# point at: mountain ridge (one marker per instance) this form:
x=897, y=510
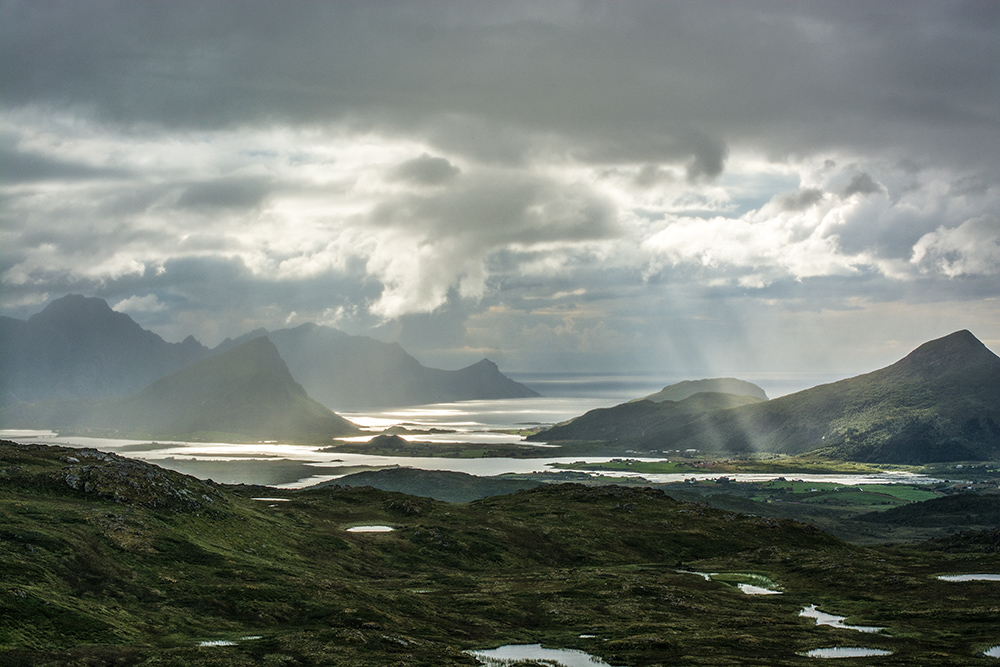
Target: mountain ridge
x=941, y=402
x=80, y=348
x=244, y=393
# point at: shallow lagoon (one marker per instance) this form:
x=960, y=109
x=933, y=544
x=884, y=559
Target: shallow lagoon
x=506, y=655
x=847, y=652
x=305, y=465
x=969, y=577
x=822, y=618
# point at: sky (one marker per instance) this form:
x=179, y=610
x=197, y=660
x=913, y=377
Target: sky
x=681, y=188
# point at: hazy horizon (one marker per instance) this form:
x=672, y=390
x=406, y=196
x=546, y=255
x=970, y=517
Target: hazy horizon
x=699, y=189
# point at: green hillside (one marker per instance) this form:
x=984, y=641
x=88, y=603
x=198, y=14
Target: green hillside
x=940, y=403
x=109, y=561
x=246, y=393
x=452, y=487
x=636, y=420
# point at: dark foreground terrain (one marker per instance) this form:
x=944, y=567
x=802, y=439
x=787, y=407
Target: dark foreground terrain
x=108, y=561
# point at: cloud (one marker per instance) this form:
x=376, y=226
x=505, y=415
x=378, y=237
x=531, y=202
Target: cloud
x=799, y=200
x=140, y=304
x=379, y=164
x=427, y=170
x=228, y=192
x=862, y=184
x=972, y=248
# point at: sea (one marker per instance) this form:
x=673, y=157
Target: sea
x=482, y=421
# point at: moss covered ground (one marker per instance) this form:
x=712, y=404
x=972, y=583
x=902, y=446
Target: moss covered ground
x=108, y=561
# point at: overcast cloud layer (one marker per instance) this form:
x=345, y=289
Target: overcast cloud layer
x=687, y=188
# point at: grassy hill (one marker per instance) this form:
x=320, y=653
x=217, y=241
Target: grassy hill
x=939, y=403
x=636, y=420
x=452, y=487
x=109, y=561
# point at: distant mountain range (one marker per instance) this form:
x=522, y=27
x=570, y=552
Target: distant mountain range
x=347, y=372
x=79, y=347
x=940, y=403
x=243, y=393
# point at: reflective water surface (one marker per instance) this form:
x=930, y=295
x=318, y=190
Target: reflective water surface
x=847, y=652
x=370, y=529
x=822, y=618
x=512, y=653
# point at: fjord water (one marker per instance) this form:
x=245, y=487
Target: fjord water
x=481, y=421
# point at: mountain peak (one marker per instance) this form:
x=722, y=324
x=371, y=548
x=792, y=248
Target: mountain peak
x=73, y=306
x=954, y=352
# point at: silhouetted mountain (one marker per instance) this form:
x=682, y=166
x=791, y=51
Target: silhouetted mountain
x=246, y=393
x=940, y=403
x=681, y=390
x=347, y=372
x=638, y=419
x=80, y=347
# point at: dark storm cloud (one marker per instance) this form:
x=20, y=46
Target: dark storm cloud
x=629, y=79
x=427, y=170
x=225, y=193
x=800, y=200
x=587, y=178
x=862, y=184
x=25, y=167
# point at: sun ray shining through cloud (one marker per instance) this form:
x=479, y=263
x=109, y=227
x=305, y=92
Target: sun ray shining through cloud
x=675, y=186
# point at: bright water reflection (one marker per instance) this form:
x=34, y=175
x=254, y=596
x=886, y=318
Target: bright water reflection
x=216, y=460
x=822, y=618
x=370, y=529
x=969, y=577
x=750, y=589
x=993, y=652
x=512, y=653
x=847, y=652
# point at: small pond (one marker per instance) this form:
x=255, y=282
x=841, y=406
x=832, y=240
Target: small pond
x=370, y=529
x=822, y=618
x=992, y=652
x=512, y=653
x=969, y=577
x=751, y=584
x=847, y=652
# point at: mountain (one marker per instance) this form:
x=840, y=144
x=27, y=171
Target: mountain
x=245, y=393
x=347, y=372
x=639, y=419
x=681, y=390
x=79, y=346
x=939, y=403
